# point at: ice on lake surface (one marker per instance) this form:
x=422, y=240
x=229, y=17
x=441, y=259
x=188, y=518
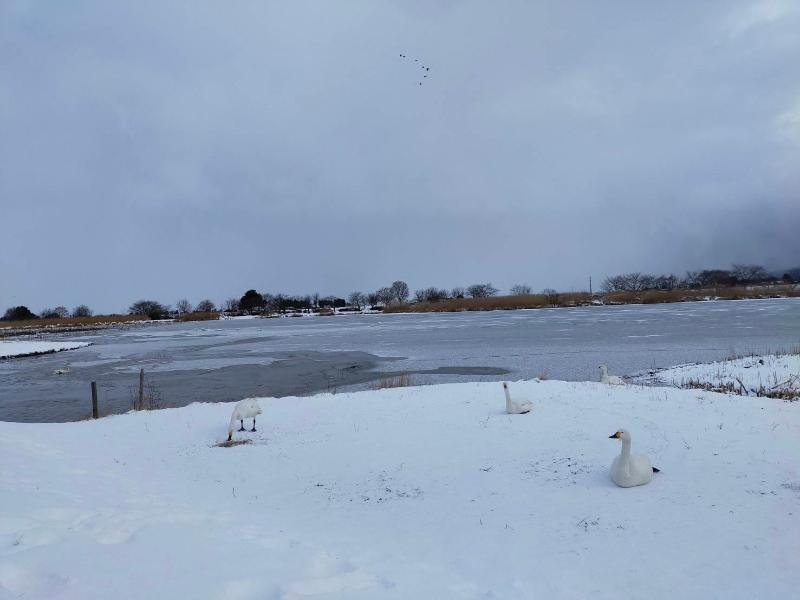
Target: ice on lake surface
x=230, y=359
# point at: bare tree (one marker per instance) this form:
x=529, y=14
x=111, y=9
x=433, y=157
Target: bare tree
x=482, y=290
x=205, y=306
x=419, y=296
x=231, y=305
x=692, y=279
x=81, y=311
x=385, y=296
x=315, y=299
x=372, y=298
x=628, y=282
x=280, y=303
x=400, y=291
x=551, y=296
x=613, y=283
x=434, y=294
x=520, y=289
x=357, y=299
x=665, y=282
x=183, y=306
x=458, y=292
x=749, y=273
x=715, y=277
x=59, y=312
x=269, y=302
x=149, y=308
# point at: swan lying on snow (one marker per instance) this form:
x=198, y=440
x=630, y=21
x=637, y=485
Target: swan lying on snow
x=609, y=379
x=629, y=470
x=516, y=408
x=244, y=409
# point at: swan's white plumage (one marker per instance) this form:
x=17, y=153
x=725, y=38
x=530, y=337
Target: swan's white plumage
x=609, y=379
x=519, y=407
x=629, y=470
x=244, y=409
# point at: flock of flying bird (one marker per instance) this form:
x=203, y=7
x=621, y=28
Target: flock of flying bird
x=426, y=70
x=627, y=470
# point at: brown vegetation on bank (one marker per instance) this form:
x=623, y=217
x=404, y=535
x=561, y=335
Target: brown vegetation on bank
x=66, y=324
x=684, y=295
x=198, y=316
x=583, y=298
x=494, y=303
x=69, y=321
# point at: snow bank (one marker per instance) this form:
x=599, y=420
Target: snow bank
x=18, y=348
x=429, y=492
x=778, y=375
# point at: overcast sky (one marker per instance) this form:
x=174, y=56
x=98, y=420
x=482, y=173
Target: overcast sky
x=198, y=149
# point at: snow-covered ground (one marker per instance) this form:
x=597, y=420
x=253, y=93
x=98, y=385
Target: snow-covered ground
x=17, y=348
x=430, y=492
x=777, y=375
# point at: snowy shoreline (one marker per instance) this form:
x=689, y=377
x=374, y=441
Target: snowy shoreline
x=770, y=375
x=21, y=348
x=410, y=492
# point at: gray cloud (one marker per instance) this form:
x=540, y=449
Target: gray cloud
x=199, y=149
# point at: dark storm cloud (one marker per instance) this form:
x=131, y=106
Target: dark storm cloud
x=198, y=149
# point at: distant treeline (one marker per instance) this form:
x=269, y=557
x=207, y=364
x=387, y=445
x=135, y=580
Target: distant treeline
x=739, y=274
x=398, y=295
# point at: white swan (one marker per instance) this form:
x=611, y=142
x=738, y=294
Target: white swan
x=516, y=408
x=609, y=379
x=244, y=409
x=629, y=470
x=63, y=371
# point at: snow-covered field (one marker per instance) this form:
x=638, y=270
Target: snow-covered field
x=777, y=375
x=429, y=492
x=17, y=348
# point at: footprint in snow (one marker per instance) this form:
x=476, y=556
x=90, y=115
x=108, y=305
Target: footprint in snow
x=22, y=582
x=329, y=575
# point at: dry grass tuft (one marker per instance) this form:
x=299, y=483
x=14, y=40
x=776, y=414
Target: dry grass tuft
x=395, y=381
x=198, y=316
x=232, y=443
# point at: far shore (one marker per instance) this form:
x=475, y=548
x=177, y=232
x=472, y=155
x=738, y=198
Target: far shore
x=573, y=299
x=10, y=329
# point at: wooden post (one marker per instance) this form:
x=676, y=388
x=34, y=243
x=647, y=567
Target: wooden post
x=94, y=399
x=141, y=390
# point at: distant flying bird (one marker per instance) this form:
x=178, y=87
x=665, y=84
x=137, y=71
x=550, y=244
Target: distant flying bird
x=422, y=66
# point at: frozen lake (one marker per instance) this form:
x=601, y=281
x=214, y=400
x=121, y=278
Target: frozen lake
x=230, y=359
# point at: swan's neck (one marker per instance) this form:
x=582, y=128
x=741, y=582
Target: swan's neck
x=508, y=397
x=626, y=450
x=232, y=424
